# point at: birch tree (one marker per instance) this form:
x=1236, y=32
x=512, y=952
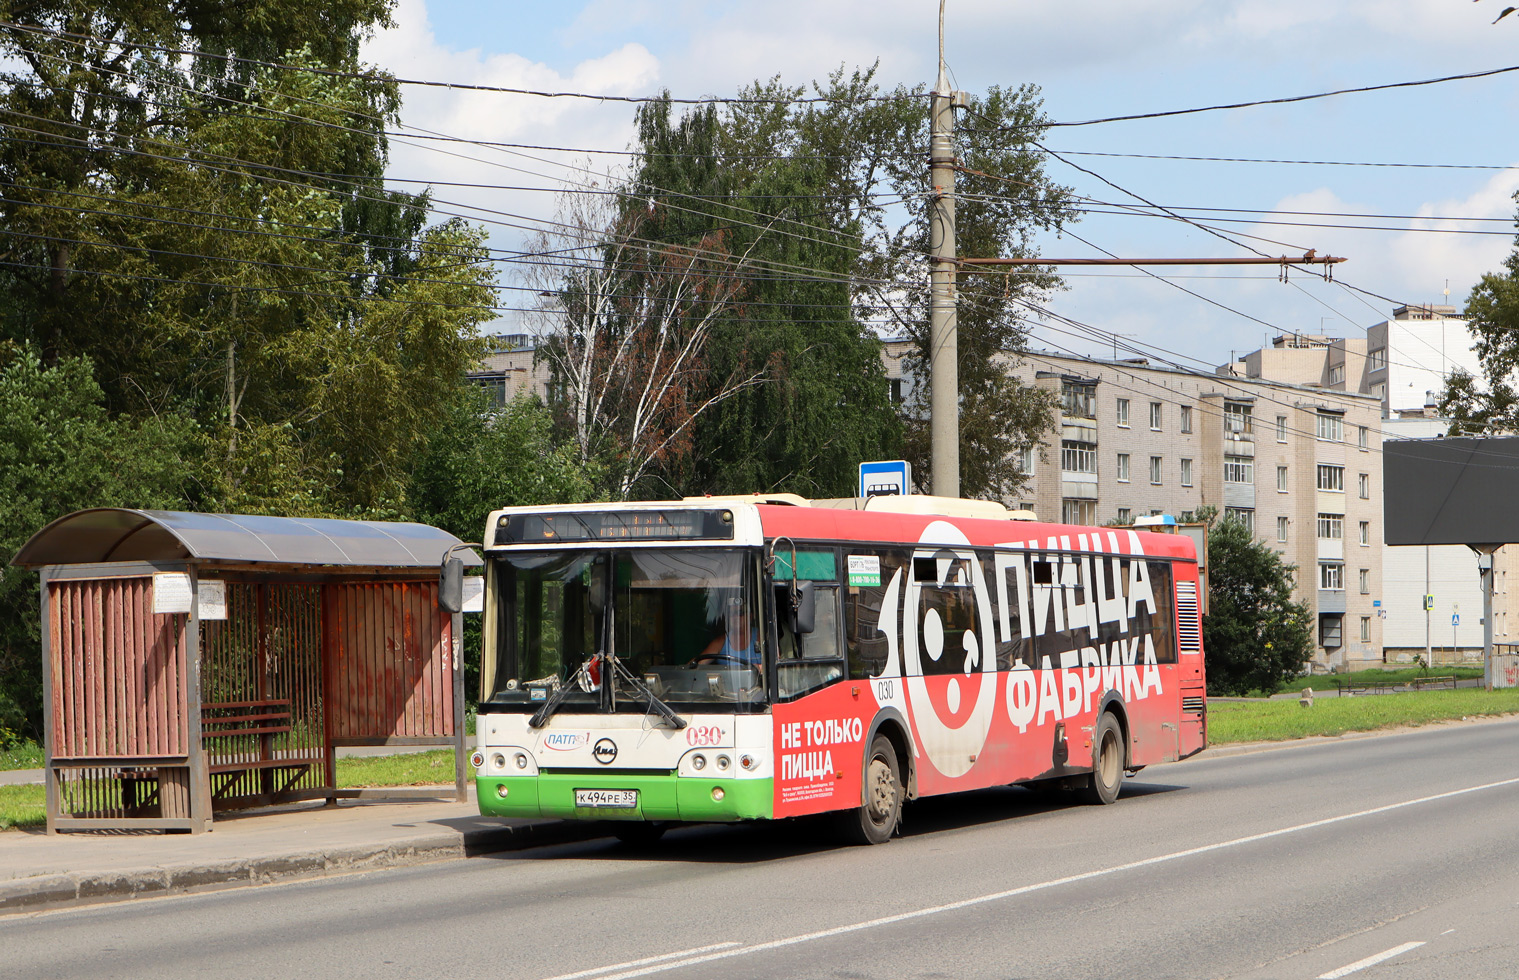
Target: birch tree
x=626, y=336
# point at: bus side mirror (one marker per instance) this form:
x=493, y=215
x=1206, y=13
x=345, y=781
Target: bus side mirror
x=804, y=609
x=451, y=586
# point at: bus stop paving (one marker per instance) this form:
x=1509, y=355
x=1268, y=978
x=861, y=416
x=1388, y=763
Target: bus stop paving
x=40, y=872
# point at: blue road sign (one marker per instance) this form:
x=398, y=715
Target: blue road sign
x=885, y=477
x=1455, y=619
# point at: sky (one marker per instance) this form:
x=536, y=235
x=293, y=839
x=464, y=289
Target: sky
x=1402, y=164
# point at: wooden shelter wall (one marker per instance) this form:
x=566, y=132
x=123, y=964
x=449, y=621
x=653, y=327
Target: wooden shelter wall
x=390, y=662
x=117, y=670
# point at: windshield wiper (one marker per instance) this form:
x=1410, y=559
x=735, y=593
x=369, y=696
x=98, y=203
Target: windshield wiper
x=543, y=714
x=639, y=687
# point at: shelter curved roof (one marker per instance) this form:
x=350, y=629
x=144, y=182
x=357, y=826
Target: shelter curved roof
x=107, y=534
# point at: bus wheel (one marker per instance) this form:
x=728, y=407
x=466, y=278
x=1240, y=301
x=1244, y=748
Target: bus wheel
x=639, y=834
x=876, y=821
x=1107, y=762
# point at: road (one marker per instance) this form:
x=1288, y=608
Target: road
x=1390, y=857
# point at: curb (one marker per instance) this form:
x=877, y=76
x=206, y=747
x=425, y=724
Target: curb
x=72, y=889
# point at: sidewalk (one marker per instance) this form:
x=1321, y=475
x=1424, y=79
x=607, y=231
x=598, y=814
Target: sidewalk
x=40, y=872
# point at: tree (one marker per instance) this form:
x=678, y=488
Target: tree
x=61, y=451
x=1003, y=197
x=1492, y=316
x=782, y=183
x=1255, y=636
x=627, y=338
x=217, y=231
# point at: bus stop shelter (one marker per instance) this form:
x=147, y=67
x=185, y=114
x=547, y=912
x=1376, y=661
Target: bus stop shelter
x=196, y=663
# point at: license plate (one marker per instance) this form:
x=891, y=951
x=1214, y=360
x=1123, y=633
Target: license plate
x=625, y=799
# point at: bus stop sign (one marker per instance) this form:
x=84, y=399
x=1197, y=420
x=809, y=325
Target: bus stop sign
x=885, y=478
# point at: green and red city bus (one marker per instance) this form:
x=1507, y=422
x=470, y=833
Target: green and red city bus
x=746, y=658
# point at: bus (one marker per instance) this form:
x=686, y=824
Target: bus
x=722, y=659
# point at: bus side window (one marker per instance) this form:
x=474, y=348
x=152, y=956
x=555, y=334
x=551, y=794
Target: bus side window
x=864, y=641
x=1013, y=648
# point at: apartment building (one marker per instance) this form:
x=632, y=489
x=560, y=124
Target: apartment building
x=509, y=369
x=1403, y=362
x=1299, y=464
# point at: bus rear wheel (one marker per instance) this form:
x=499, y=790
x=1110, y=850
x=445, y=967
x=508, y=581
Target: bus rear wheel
x=1107, y=762
x=876, y=820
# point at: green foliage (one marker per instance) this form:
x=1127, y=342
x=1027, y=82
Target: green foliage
x=1255, y=635
x=1269, y=721
x=1492, y=312
x=60, y=451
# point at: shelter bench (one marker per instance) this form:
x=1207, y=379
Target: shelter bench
x=262, y=719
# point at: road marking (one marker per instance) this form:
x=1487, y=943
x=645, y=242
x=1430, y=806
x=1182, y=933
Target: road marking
x=597, y=971
x=1346, y=971
x=1024, y=890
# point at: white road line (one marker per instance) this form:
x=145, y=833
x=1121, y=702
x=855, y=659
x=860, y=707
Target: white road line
x=644, y=962
x=1026, y=889
x=1346, y=971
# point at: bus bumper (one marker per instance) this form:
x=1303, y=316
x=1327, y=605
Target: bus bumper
x=659, y=797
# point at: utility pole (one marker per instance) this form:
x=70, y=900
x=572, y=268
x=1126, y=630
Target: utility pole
x=943, y=340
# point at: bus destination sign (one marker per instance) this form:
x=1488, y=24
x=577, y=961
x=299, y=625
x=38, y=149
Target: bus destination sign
x=627, y=525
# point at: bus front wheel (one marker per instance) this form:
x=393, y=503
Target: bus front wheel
x=876, y=820
x=1107, y=762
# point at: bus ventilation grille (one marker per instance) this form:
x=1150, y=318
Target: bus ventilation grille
x=1188, y=629
x=1193, y=705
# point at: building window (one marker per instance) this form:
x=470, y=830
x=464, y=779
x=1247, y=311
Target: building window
x=1337, y=374
x=1155, y=470
x=1377, y=359
x=1332, y=526
x=1237, y=418
x=1364, y=580
x=1186, y=418
x=1281, y=479
x=1281, y=428
x=1078, y=511
x=1363, y=484
x=1078, y=401
x=1123, y=467
x=1365, y=629
x=1281, y=529
x=1123, y=412
x=1331, y=577
x=895, y=386
x=1241, y=515
x=1365, y=534
x=1329, y=631
x=1026, y=459
x=1239, y=469
x=1363, y=437
x=1155, y=416
x=1125, y=515
x=1186, y=472
x=1331, y=478
x=1078, y=457
x=1329, y=428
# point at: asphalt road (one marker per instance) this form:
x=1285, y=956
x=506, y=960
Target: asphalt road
x=1305, y=862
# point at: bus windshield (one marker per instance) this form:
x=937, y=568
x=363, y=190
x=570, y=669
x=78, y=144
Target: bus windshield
x=683, y=621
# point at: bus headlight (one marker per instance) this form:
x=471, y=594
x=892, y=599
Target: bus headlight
x=698, y=761
x=718, y=794
x=521, y=760
x=498, y=761
x=723, y=763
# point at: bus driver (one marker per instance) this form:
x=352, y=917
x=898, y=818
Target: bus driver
x=737, y=644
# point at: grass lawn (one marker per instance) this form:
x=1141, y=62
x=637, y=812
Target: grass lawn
x=1266, y=721
x=27, y=755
